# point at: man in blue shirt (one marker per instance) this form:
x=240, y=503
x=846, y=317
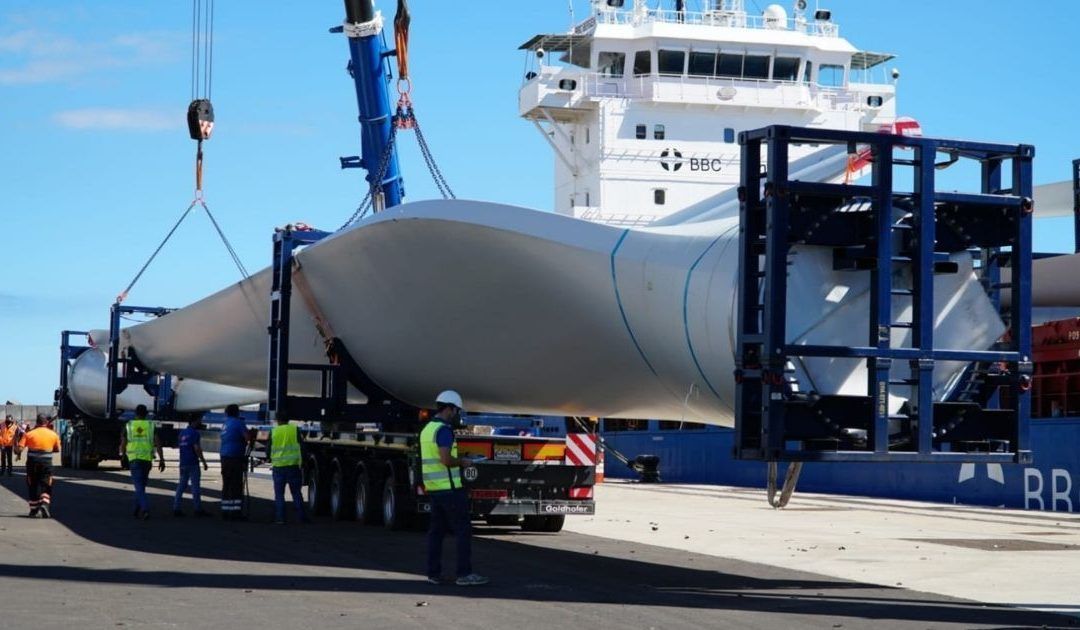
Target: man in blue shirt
x=191, y=454
x=234, y=461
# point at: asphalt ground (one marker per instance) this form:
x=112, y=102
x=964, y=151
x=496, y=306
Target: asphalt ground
x=94, y=566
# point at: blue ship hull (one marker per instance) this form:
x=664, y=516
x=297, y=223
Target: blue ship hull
x=1051, y=483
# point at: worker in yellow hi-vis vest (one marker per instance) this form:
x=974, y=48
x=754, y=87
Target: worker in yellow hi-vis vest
x=285, y=459
x=440, y=467
x=138, y=441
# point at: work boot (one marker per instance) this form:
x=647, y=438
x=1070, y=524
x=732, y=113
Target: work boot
x=33, y=513
x=45, y=512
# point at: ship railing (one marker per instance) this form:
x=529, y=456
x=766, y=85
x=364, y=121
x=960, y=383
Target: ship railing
x=736, y=91
x=700, y=89
x=727, y=19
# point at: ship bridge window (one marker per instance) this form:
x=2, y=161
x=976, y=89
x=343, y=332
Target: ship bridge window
x=809, y=71
x=702, y=64
x=642, y=63
x=755, y=67
x=830, y=76
x=785, y=69
x=658, y=132
x=672, y=62
x=611, y=64
x=729, y=65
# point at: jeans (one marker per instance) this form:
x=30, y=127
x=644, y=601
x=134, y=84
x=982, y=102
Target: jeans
x=5, y=459
x=193, y=474
x=449, y=512
x=287, y=476
x=140, y=474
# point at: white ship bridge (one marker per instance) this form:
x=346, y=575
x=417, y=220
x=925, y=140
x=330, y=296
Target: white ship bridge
x=643, y=101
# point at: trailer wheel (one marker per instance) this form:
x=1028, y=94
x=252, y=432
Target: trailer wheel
x=367, y=499
x=74, y=456
x=65, y=452
x=317, y=500
x=543, y=523
x=341, y=508
x=393, y=505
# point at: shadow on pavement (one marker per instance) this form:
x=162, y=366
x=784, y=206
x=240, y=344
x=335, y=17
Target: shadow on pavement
x=565, y=567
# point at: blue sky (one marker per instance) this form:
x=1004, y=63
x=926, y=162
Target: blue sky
x=96, y=165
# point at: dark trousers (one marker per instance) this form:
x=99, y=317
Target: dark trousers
x=38, y=483
x=288, y=476
x=232, y=485
x=449, y=512
x=140, y=476
x=5, y=459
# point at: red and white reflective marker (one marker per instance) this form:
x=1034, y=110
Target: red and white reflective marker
x=580, y=449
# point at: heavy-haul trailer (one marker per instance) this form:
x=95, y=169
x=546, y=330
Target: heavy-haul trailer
x=363, y=460
x=374, y=477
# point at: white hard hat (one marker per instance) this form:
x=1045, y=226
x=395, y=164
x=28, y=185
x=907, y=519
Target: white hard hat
x=450, y=397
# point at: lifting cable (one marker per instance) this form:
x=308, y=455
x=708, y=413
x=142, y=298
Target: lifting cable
x=404, y=118
x=200, y=119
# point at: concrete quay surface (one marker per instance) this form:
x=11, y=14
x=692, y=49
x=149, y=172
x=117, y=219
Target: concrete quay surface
x=94, y=566
x=1015, y=558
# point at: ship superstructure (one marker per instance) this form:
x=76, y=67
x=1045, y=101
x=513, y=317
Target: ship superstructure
x=643, y=104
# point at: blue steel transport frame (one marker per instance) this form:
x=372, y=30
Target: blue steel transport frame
x=887, y=230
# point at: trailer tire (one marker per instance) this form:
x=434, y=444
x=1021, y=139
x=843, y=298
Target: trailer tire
x=318, y=501
x=550, y=524
x=394, y=513
x=367, y=501
x=75, y=454
x=65, y=452
x=341, y=508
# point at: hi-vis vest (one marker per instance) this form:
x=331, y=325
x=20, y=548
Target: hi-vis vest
x=140, y=440
x=285, y=446
x=7, y=434
x=436, y=476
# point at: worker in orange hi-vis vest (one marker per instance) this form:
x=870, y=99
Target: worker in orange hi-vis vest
x=9, y=438
x=40, y=444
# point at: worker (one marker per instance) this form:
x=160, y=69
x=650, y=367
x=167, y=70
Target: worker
x=450, y=509
x=191, y=455
x=285, y=441
x=9, y=436
x=138, y=442
x=234, y=443
x=40, y=444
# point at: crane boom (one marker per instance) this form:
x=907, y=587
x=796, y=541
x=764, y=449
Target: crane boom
x=367, y=66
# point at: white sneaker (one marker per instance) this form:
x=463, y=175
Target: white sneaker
x=472, y=579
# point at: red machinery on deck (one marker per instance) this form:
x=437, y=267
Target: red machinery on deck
x=1055, y=347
